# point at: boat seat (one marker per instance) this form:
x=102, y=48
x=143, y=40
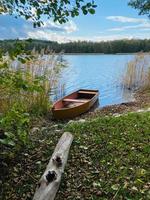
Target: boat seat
x=86, y=92
x=76, y=100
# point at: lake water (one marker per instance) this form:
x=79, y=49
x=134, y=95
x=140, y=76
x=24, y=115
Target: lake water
x=102, y=72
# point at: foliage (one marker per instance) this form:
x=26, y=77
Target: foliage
x=118, y=46
x=14, y=129
x=28, y=83
x=137, y=75
x=17, y=50
x=25, y=86
x=59, y=11
x=142, y=5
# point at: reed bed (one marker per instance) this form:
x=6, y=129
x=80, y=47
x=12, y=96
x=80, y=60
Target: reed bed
x=137, y=75
x=29, y=84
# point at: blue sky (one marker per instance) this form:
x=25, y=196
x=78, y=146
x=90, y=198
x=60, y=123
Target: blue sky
x=114, y=19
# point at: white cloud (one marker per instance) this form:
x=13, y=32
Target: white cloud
x=113, y=37
x=121, y=37
x=124, y=19
x=144, y=26
x=43, y=35
x=51, y=31
x=63, y=38
x=61, y=33
x=68, y=27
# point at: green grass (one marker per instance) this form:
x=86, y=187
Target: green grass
x=109, y=159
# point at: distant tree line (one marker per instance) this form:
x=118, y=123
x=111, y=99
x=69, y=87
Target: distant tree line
x=109, y=47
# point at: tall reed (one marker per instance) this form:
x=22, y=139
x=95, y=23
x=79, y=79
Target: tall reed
x=29, y=84
x=137, y=75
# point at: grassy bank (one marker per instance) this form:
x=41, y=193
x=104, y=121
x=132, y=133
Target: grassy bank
x=109, y=155
x=108, y=160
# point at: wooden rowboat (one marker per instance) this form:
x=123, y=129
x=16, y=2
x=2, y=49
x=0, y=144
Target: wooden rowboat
x=74, y=104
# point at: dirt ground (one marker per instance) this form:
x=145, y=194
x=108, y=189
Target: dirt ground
x=142, y=100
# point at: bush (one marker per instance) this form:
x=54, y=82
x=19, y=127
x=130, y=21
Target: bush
x=28, y=83
x=25, y=86
x=14, y=129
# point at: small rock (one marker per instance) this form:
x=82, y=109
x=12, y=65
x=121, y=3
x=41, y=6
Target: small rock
x=116, y=115
x=84, y=147
x=41, y=141
x=82, y=120
x=134, y=188
x=71, y=121
x=38, y=162
x=43, y=129
x=148, y=109
x=99, y=193
x=35, y=129
x=54, y=126
x=57, y=130
x=140, y=110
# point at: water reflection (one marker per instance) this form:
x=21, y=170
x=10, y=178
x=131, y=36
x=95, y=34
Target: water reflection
x=102, y=72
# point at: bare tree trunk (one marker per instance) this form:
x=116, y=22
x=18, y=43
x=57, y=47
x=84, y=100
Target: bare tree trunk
x=50, y=181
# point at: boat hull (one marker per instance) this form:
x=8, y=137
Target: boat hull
x=69, y=113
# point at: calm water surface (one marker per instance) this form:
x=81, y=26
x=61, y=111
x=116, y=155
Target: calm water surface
x=102, y=72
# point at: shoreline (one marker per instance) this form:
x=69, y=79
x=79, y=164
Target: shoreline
x=45, y=133
x=141, y=100
x=135, y=53
x=101, y=53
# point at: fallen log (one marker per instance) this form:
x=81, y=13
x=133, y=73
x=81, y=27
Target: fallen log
x=50, y=180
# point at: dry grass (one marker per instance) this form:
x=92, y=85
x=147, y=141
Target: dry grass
x=137, y=75
x=30, y=83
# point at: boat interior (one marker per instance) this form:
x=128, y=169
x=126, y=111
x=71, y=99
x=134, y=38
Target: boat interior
x=75, y=99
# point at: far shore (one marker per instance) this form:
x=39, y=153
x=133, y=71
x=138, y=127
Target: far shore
x=103, y=53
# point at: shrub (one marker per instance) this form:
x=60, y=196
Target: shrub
x=28, y=83
x=14, y=129
x=25, y=86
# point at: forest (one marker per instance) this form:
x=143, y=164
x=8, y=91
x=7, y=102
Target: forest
x=107, y=47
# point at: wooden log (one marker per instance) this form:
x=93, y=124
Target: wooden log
x=50, y=180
